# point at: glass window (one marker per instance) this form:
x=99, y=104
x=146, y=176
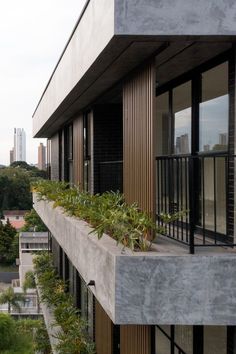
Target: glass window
x=215, y=340
x=70, y=142
x=163, y=343
x=163, y=125
x=184, y=338
x=84, y=300
x=182, y=113
x=71, y=280
x=214, y=109
x=90, y=315
x=87, y=152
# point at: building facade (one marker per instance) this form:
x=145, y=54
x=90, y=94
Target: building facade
x=19, y=144
x=15, y=217
x=41, y=157
x=11, y=156
x=148, y=107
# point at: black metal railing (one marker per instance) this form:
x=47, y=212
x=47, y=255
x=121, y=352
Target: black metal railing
x=203, y=187
x=111, y=176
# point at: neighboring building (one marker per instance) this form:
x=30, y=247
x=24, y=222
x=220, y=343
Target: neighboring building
x=29, y=243
x=132, y=76
x=19, y=144
x=15, y=217
x=11, y=156
x=41, y=157
x=182, y=144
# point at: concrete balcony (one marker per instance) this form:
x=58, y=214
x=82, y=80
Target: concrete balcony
x=129, y=33
x=164, y=286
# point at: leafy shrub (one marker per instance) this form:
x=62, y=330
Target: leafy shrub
x=107, y=213
x=7, y=331
x=72, y=336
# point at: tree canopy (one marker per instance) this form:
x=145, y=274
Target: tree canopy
x=15, y=186
x=33, y=222
x=9, y=244
x=33, y=170
x=7, y=329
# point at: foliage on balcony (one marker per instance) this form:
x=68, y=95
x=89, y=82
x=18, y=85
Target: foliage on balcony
x=73, y=337
x=106, y=213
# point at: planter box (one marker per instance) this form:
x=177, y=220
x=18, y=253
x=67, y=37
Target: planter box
x=50, y=324
x=147, y=288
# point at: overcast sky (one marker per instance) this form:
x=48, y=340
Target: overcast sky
x=32, y=36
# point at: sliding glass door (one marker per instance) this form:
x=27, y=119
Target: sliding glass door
x=193, y=130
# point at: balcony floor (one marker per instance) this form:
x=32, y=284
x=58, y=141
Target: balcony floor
x=167, y=245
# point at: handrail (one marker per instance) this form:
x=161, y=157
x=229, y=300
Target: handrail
x=199, y=155
x=183, y=183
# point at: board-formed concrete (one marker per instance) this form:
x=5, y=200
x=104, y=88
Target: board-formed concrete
x=147, y=288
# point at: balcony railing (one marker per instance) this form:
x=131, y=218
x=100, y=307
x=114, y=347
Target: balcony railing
x=203, y=186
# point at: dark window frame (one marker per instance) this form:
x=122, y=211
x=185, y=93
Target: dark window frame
x=194, y=76
x=198, y=339
x=68, y=152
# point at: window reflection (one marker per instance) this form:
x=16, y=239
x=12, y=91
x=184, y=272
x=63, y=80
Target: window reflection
x=182, y=118
x=214, y=109
x=163, y=125
x=215, y=339
x=163, y=344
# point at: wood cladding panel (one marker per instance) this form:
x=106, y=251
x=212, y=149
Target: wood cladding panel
x=103, y=331
x=138, y=132
x=135, y=339
x=55, y=174
x=78, y=154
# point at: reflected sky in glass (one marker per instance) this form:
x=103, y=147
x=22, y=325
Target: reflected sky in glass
x=183, y=131
x=213, y=124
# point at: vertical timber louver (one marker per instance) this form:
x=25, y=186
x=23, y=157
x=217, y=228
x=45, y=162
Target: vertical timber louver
x=138, y=123
x=103, y=331
x=135, y=339
x=78, y=150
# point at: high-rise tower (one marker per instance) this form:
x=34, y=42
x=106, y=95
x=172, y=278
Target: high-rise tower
x=42, y=157
x=19, y=144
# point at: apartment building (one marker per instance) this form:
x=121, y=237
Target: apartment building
x=15, y=217
x=19, y=151
x=142, y=100
x=41, y=157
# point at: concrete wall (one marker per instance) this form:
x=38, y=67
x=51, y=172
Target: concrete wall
x=49, y=320
x=157, y=287
x=175, y=17
x=94, y=31
x=84, y=252
x=26, y=265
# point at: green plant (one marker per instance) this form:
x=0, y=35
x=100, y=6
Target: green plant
x=7, y=331
x=29, y=282
x=107, y=213
x=72, y=336
x=12, y=299
x=41, y=340
x=33, y=222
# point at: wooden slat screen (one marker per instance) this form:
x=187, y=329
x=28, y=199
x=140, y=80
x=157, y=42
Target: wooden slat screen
x=135, y=339
x=138, y=117
x=103, y=331
x=78, y=155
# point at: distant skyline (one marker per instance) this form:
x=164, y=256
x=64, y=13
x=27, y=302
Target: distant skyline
x=32, y=37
